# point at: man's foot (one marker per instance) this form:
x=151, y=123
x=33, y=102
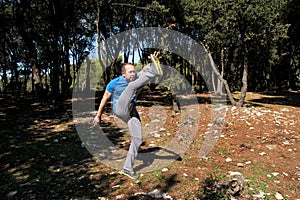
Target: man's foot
x=156, y=64
x=130, y=174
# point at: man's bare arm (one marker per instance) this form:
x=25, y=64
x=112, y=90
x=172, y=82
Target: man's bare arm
x=105, y=98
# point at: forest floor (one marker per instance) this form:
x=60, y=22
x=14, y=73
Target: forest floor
x=42, y=156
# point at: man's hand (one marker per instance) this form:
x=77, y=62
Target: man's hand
x=96, y=120
x=103, y=102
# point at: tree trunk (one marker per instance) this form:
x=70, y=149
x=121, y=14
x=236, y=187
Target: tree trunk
x=4, y=74
x=213, y=81
x=4, y=80
x=220, y=85
x=132, y=61
x=193, y=81
x=214, y=68
x=36, y=76
x=24, y=88
x=245, y=83
x=88, y=68
x=55, y=74
x=17, y=81
x=74, y=73
x=27, y=37
x=100, y=42
x=67, y=77
x=126, y=57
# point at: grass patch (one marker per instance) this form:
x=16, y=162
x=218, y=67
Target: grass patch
x=256, y=186
x=258, y=170
x=223, y=151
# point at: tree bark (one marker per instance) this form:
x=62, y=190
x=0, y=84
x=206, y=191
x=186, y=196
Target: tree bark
x=100, y=42
x=244, y=81
x=213, y=81
x=67, y=82
x=88, y=68
x=27, y=37
x=36, y=76
x=220, y=85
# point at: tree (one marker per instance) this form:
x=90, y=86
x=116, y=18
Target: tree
x=47, y=31
x=291, y=58
x=254, y=44
x=233, y=32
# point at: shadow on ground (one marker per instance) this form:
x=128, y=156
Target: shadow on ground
x=42, y=156
x=283, y=98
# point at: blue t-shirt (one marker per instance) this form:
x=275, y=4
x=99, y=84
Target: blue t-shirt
x=116, y=87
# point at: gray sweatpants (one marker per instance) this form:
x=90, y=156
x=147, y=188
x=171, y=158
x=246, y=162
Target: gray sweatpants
x=128, y=113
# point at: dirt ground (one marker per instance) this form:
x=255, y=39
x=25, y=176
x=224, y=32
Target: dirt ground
x=42, y=156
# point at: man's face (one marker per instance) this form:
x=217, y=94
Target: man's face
x=129, y=73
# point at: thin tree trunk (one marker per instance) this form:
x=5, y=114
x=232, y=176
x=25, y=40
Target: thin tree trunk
x=28, y=39
x=220, y=85
x=17, y=81
x=88, y=68
x=36, y=75
x=55, y=76
x=4, y=80
x=100, y=43
x=74, y=73
x=214, y=68
x=132, y=57
x=193, y=81
x=244, y=79
x=245, y=85
x=126, y=57
x=4, y=70
x=24, y=88
x=213, y=81
x=67, y=78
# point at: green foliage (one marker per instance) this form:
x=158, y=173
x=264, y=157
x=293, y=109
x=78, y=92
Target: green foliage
x=252, y=29
x=48, y=41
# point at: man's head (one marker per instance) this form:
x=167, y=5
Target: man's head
x=128, y=72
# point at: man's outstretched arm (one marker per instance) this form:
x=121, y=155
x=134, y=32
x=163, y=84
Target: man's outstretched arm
x=100, y=111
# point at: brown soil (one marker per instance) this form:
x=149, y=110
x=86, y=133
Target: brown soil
x=42, y=156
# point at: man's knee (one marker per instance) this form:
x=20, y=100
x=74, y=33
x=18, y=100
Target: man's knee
x=135, y=127
x=122, y=113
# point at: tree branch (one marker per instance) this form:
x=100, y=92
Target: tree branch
x=148, y=7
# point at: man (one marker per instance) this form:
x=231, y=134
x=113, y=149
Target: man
x=123, y=90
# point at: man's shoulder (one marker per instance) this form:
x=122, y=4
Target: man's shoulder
x=115, y=80
x=112, y=84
